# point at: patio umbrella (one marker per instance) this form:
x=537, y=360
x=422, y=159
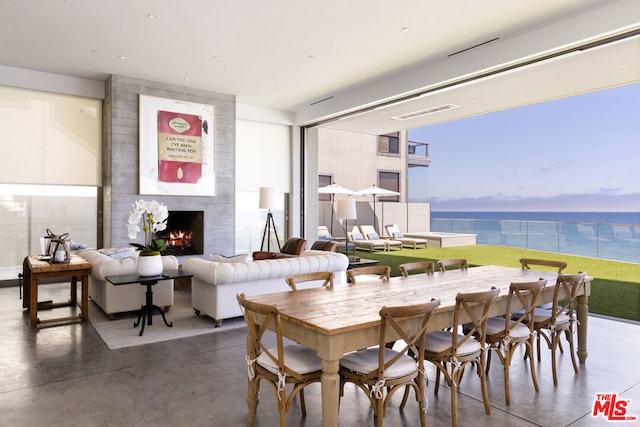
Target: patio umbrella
x=334, y=189
x=376, y=191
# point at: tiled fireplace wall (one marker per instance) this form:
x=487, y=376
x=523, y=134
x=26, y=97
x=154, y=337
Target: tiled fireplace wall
x=120, y=162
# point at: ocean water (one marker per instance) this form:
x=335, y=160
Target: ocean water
x=607, y=235
x=590, y=217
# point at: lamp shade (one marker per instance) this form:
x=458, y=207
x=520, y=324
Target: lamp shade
x=269, y=198
x=346, y=209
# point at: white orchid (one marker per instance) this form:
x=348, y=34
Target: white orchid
x=154, y=218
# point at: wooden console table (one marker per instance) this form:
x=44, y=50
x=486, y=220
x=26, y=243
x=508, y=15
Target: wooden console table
x=34, y=269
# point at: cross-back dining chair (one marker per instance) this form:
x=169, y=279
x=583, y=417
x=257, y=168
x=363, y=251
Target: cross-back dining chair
x=546, y=264
x=526, y=264
x=381, y=371
x=427, y=267
x=451, y=351
x=505, y=334
x=327, y=276
x=551, y=324
x=460, y=263
x=383, y=272
x=275, y=364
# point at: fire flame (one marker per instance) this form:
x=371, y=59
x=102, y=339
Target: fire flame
x=180, y=238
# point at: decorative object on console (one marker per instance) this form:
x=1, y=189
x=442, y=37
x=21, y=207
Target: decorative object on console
x=154, y=217
x=60, y=249
x=269, y=200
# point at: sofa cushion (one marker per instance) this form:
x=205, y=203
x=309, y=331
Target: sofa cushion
x=117, y=253
x=231, y=259
x=218, y=273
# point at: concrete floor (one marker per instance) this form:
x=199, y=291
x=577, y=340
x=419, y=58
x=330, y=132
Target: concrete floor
x=65, y=376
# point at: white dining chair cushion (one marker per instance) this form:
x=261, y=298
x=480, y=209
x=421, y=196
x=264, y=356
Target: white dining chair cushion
x=365, y=361
x=541, y=314
x=297, y=357
x=495, y=325
x=439, y=341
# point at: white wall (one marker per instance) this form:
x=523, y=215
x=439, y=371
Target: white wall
x=263, y=159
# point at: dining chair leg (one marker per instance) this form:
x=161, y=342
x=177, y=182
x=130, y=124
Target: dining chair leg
x=252, y=401
x=534, y=376
x=379, y=412
x=437, y=386
x=507, y=363
x=454, y=401
x=303, y=407
x=405, y=397
x=554, y=347
x=483, y=382
x=569, y=336
x=422, y=398
x=282, y=407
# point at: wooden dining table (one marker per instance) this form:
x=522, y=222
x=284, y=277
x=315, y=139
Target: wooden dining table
x=345, y=318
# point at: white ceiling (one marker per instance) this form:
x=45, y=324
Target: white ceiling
x=320, y=59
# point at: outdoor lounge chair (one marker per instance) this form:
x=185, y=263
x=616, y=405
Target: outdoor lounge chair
x=370, y=233
x=343, y=246
x=413, y=242
x=358, y=239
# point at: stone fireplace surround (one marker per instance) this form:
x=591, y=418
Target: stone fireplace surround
x=120, y=163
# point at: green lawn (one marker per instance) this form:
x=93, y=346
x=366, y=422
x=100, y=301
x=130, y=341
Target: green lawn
x=615, y=290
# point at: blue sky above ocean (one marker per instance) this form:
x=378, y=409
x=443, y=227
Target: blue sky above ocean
x=578, y=154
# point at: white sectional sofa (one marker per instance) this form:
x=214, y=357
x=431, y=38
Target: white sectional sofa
x=215, y=284
x=116, y=299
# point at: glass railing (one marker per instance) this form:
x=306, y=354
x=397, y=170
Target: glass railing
x=619, y=242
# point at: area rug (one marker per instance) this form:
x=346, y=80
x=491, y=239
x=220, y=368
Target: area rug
x=120, y=333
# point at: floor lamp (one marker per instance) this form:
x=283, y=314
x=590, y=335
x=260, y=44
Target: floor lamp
x=269, y=200
x=346, y=211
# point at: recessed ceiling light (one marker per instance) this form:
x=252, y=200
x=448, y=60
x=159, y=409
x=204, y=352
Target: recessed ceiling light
x=186, y=79
x=404, y=29
x=217, y=58
x=122, y=57
x=152, y=16
x=311, y=57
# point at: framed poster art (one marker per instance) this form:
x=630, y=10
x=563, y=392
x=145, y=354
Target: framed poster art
x=176, y=147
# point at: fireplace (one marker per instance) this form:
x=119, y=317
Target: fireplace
x=184, y=233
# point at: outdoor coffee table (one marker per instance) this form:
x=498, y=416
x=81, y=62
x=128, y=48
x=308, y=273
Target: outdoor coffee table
x=148, y=281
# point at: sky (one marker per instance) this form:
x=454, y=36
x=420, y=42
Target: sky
x=573, y=154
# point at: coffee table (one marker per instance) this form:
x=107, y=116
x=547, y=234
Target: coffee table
x=361, y=262
x=148, y=281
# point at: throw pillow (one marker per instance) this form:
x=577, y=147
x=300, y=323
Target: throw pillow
x=373, y=236
x=115, y=253
x=229, y=259
x=357, y=236
x=397, y=235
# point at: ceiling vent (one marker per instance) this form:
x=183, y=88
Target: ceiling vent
x=420, y=113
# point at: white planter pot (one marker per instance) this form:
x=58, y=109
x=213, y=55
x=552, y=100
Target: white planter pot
x=149, y=265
